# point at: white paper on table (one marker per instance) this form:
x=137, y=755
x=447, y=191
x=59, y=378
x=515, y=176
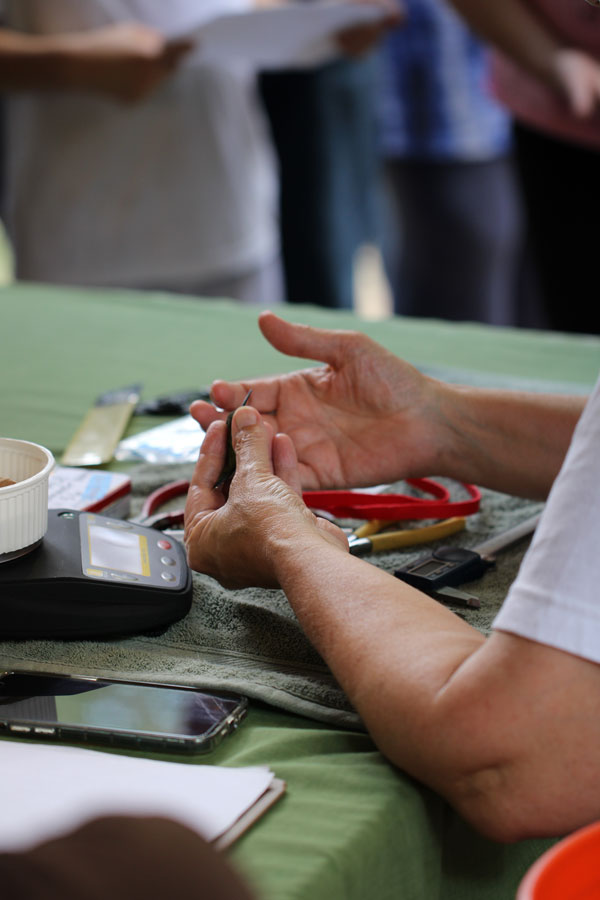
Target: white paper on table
x=49, y=790
x=285, y=36
x=94, y=490
x=177, y=441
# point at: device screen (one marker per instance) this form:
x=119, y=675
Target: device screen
x=99, y=704
x=121, y=550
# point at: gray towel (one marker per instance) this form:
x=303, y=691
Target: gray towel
x=249, y=640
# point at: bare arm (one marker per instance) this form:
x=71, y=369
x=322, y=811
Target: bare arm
x=513, y=28
x=509, y=441
x=530, y=42
x=494, y=726
x=506, y=729
x=124, y=61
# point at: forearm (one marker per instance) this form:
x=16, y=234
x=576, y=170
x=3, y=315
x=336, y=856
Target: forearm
x=507, y=441
x=514, y=29
x=469, y=717
x=33, y=62
x=390, y=647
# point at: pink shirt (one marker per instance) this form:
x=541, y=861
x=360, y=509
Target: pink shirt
x=577, y=25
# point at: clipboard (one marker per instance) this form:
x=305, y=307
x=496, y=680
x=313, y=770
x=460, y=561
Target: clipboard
x=275, y=790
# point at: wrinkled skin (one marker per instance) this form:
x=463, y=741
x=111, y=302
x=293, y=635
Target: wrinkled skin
x=331, y=413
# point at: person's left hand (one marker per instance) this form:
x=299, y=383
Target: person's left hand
x=360, y=39
x=125, y=61
x=242, y=539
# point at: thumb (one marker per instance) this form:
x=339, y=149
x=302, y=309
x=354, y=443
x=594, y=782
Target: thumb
x=251, y=441
x=322, y=345
x=581, y=99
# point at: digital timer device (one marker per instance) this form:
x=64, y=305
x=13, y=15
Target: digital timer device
x=93, y=576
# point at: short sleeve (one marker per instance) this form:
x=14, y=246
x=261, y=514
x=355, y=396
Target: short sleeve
x=555, y=598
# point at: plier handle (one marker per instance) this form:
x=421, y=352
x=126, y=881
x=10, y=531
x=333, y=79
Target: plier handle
x=161, y=520
x=394, y=507
x=340, y=504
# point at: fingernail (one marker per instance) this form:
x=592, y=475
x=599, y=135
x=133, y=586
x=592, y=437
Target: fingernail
x=245, y=417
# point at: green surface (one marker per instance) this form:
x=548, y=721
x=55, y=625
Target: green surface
x=62, y=347
x=350, y=826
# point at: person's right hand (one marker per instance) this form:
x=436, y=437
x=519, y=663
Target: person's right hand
x=125, y=61
x=577, y=76
x=365, y=417
x=359, y=40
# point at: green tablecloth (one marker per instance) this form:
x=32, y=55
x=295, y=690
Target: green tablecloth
x=350, y=826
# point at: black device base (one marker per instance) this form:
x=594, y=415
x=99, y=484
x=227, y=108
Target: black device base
x=45, y=595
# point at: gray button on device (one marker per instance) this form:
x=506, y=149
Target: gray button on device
x=168, y=576
x=167, y=561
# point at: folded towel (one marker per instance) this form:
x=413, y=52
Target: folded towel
x=249, y=640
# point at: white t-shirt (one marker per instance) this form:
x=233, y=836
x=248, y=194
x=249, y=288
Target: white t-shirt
x=555, y=598
x=180, y=188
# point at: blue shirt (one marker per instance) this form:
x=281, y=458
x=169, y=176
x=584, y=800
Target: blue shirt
x=434, y=99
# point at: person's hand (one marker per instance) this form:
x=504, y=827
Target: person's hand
x=365, y=417
x=125, y=61
x=577, y=75
x=241, y=539
x=361, y=39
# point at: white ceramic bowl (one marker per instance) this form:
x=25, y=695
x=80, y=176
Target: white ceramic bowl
x=23, y=505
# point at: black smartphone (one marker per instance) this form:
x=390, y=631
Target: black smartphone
x=124, y=714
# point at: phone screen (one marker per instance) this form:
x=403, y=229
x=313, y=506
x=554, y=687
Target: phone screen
x=145, y=709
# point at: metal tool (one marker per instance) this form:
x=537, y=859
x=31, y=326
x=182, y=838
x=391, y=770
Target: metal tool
x=102, y=427
x=228, y=470
x=176, y=404
x=152, y=517
x=440, y=572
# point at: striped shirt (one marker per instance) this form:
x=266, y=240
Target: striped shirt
x=434, y=97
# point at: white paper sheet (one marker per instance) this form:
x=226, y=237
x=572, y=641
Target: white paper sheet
x=49, y=790
x=290, y=35
x=177, y=441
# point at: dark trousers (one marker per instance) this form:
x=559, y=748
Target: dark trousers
x=561, y=187
x=454, y=239
x=323, y=128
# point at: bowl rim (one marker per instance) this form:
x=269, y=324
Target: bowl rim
x=564, y=850
x=26, y=483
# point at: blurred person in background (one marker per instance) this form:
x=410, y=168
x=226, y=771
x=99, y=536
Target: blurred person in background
x=547, y=73
x=452, y=235
x=125, y=166
x=323, y=126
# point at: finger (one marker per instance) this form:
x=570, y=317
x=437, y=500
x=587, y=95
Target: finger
x=205, y=414
x=357, y=40
x=202, y=494
x=176, y=50
x=251, y=441
x=285, y=462
x=323, y=345
x=229, y=395
x=579, y=98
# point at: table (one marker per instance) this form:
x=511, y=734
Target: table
x=350, y=826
